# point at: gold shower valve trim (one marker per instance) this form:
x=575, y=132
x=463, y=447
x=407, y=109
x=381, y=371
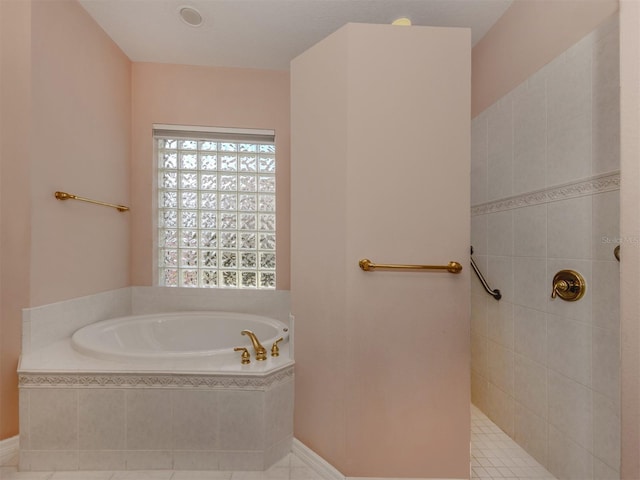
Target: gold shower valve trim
x=368, y=266
x=569, y=285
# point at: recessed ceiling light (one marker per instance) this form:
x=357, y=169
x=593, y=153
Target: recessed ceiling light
x=191, y=16
x=402, y=21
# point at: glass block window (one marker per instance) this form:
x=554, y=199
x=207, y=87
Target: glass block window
x=216, y=209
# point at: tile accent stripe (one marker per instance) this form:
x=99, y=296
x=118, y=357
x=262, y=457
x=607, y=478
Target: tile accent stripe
x=123, y=380
x=590, y=186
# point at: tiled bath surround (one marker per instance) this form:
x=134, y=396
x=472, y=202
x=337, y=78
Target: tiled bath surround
x=545, y=180
x=95, y=417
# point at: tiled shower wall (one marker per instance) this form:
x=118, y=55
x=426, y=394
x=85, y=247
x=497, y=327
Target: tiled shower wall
x=545, y=197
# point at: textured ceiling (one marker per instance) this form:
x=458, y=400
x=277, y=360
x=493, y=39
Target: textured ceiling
x=265, y=33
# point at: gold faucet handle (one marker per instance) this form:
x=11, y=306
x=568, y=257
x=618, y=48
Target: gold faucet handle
x=275, y=350
x=246, y=357
x=560, y=286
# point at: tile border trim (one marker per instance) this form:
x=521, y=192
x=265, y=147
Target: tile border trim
x=151, y=380
x=597, y=184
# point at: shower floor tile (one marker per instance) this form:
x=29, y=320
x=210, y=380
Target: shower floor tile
x=494, y=455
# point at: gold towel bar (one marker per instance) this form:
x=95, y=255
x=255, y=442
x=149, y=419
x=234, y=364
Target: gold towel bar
x=367, y=265
x=68, y=196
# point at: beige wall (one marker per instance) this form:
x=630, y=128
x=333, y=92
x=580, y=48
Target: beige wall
x=15, y=91
x=66, y=118
x=630, y=234
x=80, y=143
x=208, y=96
x=382, y=358
x=525, y=38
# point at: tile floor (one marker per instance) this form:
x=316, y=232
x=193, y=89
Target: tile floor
x=493, y=456
x=289, y=468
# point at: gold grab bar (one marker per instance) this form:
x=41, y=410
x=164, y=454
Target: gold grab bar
x=367, y=265
x=68, y=196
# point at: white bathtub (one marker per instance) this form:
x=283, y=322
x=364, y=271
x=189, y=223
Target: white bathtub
x=177, y=335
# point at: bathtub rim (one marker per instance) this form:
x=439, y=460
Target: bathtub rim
x=103, y=353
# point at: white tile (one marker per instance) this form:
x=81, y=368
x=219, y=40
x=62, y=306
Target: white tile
x=605, y=294
x=606, y=429
x=501, y=409
x=242, y=420
x=53, y=417
x=531, y=385
x=500, y=323
x=43, y=460
x=602, y=471
x=148, y=419
x=23, y=409
x=241, y=461
x=569, y=224
x=500, y=233
x=479, y=391
x=501, y=364
x=529, y=278
x=101, y=460
x=499, y=274
x=195, y=419
x=101, y=419
x=304, y=473
x=479, y=354
x=192, y=460
x=531, y=432
x=82, y=475
x=479, y=234
x=479, y=160
x=569, y=151
x=10, y=473
x=479, y=307
x=569, y=344
x=530, y=138
x=274, y=473
x=500, y=150
x=568, y=460
x=275, y=304
x=482, y=264
x=569, y=85
x=606, y=224
x=148, y=460
x=530, y=231
x=56, y=321
x=279, y=412
x=606, y=362
x=570, y=410
x=531, y=333
x=278, y=454
x=606, y=101
x=143, y=475
x=201, y=475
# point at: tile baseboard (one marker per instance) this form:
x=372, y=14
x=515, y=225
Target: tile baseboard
x=315, y=462
x=9, y=449
x=327, y=471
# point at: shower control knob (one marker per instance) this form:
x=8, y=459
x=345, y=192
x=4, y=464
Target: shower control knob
x=569, y=285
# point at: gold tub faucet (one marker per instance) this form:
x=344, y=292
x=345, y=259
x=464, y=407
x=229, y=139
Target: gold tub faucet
x=261, y=352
